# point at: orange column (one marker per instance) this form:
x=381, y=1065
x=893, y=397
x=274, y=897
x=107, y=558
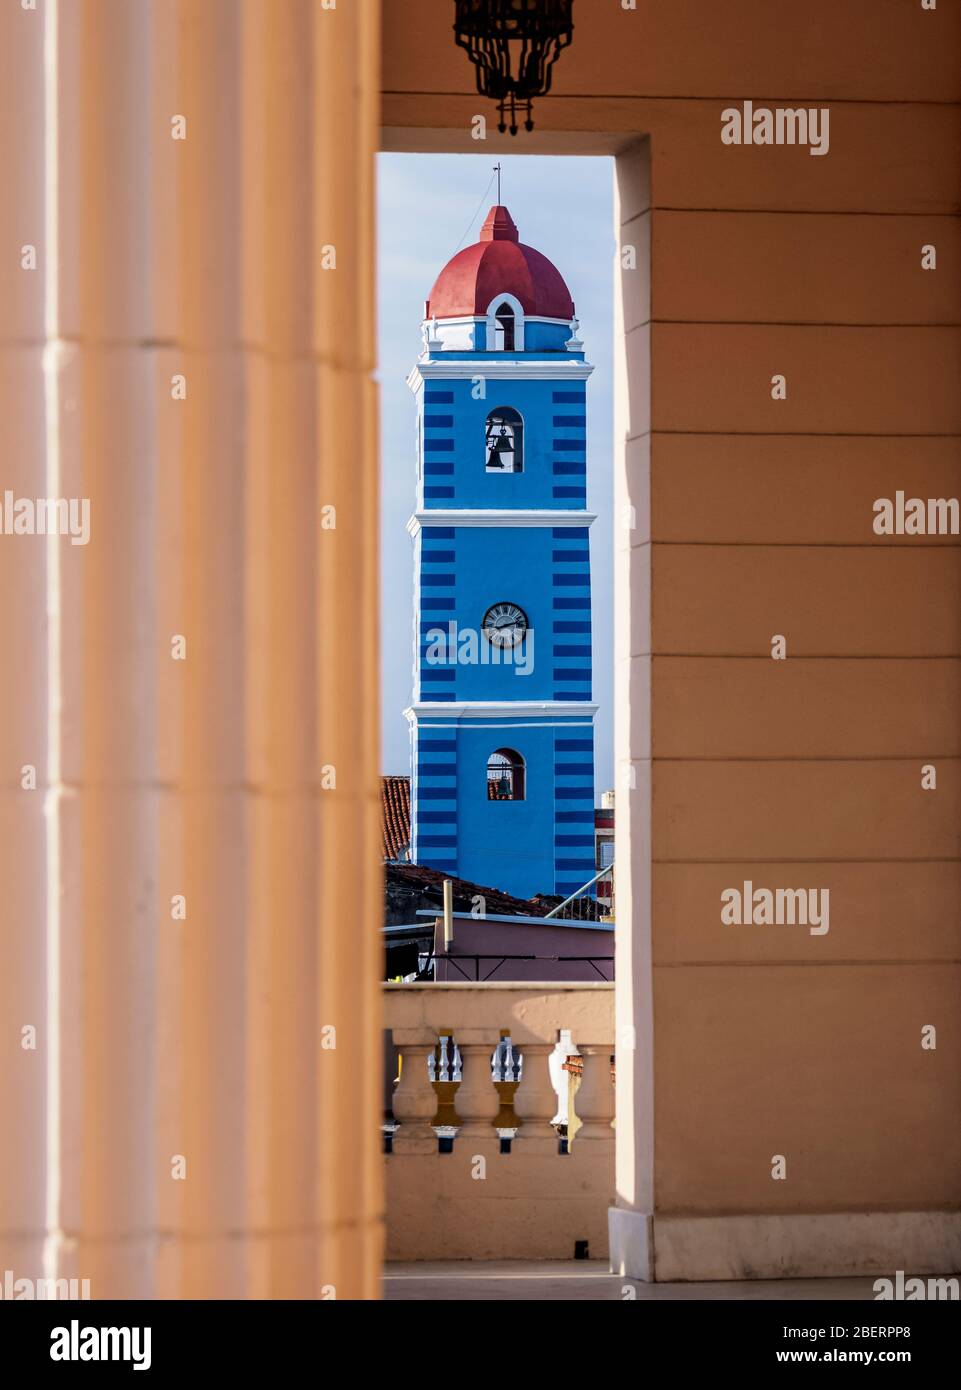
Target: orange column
x=25, y=1037
x=208, y=945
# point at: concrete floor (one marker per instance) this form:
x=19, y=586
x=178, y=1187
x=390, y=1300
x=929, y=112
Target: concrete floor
x=577, y=1280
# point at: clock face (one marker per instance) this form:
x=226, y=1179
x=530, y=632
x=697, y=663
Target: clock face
x=504, y=624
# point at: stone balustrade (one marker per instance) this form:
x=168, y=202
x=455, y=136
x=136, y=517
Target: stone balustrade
x=477, y=1164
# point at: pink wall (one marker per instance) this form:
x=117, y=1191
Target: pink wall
x=492, y=936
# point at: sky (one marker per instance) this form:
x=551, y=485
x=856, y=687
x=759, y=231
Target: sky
x=429, y=207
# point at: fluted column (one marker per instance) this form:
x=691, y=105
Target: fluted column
x=199, y=681
x=26, y=1039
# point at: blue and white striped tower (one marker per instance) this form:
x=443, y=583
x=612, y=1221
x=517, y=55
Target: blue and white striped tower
x=502, y=719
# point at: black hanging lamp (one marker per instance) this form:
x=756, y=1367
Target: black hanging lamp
x=514, y=45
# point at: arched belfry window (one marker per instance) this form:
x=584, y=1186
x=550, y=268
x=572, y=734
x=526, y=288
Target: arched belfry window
x=504, y=331
x=504, y=336
x=504, y=441
x=505, y=776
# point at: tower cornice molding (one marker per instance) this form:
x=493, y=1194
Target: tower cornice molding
x=501, y=709
x=482, y=318
x=493, y=368
x=472, y=516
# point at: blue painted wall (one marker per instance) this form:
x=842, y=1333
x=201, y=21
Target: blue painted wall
x=465, y=569
x=544, y=843
x=454, y=424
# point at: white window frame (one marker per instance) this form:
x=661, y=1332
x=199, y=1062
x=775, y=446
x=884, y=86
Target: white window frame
x=492, y=329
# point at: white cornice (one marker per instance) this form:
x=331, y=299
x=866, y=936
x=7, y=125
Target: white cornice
x=470, y=516
x=503, y=709
x=494, y=368
x=482, y=318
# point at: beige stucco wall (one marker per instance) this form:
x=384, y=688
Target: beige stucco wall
x=476, y=1203
x=754, y=518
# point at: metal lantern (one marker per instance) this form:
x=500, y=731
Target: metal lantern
x=513, y=44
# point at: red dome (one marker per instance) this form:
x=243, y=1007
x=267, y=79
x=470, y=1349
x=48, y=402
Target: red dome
x=499, y=264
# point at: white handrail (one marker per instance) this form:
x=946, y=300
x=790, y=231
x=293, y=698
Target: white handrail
x=608, y=869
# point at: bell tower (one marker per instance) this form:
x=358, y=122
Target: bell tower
x=502, y=719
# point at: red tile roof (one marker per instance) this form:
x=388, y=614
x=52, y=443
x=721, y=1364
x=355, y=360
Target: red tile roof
x=395, y=804
x=395, y=808
x=497, y=903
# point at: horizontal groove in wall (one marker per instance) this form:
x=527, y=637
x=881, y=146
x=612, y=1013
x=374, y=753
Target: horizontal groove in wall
x=758, y=99
x=793, y=434
x=790, y=962
x=912, y=324
x=882, y=543
x=821, y=859
x=925, y=756
x=764, y=657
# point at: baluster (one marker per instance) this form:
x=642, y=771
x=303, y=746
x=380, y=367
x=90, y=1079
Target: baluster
x=535, y=1100
x=415, y=1103
x=594, y=1098
x=477, y=1100
x=506, y=1122
x=446, y=1119
x=561, y=1078
x=572, y=1065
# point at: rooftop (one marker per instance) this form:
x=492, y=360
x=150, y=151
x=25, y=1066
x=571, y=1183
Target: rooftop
x=395, y=807
x=499, y=263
